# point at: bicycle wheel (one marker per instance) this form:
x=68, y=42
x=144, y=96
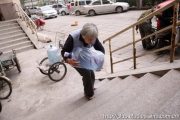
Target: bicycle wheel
x=45, y=63
x=17, y=64
x=5, y=88
x=57, y=71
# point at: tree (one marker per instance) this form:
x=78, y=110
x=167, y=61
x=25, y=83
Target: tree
x=139, y=3
x=22, y=2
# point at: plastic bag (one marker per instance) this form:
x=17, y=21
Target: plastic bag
x=88, y=58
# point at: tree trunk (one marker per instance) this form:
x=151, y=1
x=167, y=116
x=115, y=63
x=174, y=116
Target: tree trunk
x=32, y=3
x=139, y=4
x=22, y=2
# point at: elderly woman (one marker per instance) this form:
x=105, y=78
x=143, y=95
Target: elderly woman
x=85, y=37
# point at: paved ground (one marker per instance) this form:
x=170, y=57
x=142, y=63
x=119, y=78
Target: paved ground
x=33, y=92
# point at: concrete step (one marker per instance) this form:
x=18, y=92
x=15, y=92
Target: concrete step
x=15, y=46
x=97, y=81
x=171, y=107
x=12, y=37
x=124, y=97
x=10, y=29
x=159, y=69
x=22, y=49
x=153, y=98
x=89, y=105
x=15, y=41
x=101, y=83
x=68, y=106
x=12, y=33
x=7, y=25
x=102, y=97
x=8, y=21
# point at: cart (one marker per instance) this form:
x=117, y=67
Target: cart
x=56, y=71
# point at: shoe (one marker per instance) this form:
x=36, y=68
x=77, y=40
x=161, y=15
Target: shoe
x=89, y=98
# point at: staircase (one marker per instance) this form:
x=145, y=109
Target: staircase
x=145, y=95
x=12, y=36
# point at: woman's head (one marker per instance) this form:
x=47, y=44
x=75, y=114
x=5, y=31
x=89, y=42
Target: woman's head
x=89, y=33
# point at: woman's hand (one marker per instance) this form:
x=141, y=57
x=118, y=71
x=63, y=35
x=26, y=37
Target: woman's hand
x=72, y=62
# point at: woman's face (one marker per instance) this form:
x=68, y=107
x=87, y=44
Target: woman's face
x=89, y=39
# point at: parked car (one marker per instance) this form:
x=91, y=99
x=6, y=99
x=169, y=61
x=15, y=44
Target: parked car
x=78, y=6
x=47, y=12
x=61, y=9
x=32, y=10
x=105, y=6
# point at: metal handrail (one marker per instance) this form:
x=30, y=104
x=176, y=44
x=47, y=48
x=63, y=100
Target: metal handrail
x=150, y=35
x=141, y=21
x=173, y=45
x=147, y=53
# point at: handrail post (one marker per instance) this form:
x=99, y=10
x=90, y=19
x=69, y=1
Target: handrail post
x=134, y=48
x=173, y=35
x=111, y=59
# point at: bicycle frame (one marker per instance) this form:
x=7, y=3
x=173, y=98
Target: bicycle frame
x=7, y=64
x=2, y=72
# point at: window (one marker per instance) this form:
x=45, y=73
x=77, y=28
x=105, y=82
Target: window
x=72, y=4
x=59, y=6
x=34, y=7
x=88, y=2
x=81, y=2
x=76, y=3
x=106, y=2
x=97, y=3
x=54, y=6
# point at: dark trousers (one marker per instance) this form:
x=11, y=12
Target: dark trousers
x=88, y=78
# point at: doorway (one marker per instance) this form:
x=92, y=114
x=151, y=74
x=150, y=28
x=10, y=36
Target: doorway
x=1, y=16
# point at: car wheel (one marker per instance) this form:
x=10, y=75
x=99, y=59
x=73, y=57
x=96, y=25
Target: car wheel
x=78, y=13
x=119, y=9
x=63, y=13
x=92, y=13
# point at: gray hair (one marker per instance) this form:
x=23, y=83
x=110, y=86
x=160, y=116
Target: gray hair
x=89, y=29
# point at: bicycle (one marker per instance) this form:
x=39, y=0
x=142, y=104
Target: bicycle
x=5, y=89
x=6, y=64
x=56, y=71
x=9, y=61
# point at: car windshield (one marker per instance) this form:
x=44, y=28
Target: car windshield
x=45, y=8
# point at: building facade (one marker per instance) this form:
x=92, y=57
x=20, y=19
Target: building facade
x=8, y=9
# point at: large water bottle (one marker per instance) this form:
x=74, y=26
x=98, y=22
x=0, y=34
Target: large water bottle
x=53, y=54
